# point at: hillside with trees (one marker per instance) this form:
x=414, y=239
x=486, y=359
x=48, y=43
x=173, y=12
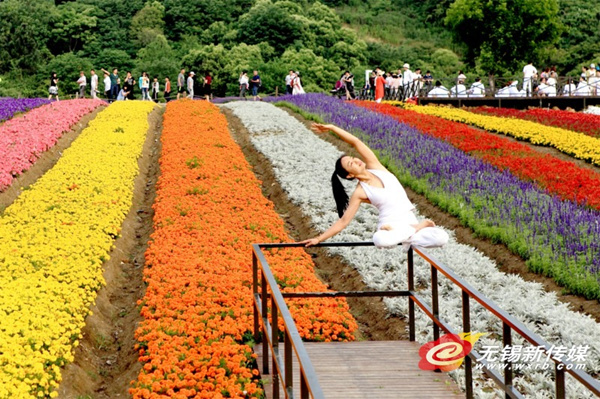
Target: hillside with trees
x=320, y=40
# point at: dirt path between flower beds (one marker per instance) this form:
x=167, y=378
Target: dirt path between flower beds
x=507, y=261
x=45, y=162
x=373, y=318
x=105, y=360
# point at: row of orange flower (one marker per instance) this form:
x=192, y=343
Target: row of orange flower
x=197, y=309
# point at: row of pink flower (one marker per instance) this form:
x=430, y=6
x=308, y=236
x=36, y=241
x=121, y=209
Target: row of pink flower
x=25, y=138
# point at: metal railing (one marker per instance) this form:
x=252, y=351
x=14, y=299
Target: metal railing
x=492, y=87
x=309, y=385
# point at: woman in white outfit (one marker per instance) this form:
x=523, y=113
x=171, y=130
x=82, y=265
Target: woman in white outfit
x=377, y=186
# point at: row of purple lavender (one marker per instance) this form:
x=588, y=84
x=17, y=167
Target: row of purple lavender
x=11, y=106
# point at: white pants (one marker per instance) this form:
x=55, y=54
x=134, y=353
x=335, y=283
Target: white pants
x=429, y=237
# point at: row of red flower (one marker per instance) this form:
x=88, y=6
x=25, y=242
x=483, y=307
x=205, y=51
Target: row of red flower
x=564, y=178
x=579, y=122
x=197, y=309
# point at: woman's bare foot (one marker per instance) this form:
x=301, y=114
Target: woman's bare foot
x=386, y=227
x=423, y=224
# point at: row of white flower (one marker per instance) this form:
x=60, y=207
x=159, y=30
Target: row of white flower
x=303, y=164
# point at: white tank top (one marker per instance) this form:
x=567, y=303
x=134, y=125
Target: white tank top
x=391, y=201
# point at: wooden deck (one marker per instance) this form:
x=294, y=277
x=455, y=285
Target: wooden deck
x=371, y=369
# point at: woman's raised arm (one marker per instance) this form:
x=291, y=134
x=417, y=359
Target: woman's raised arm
x=365, y=152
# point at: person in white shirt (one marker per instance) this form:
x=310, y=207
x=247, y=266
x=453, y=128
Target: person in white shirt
x=458, y=90
x=82, y=81
x=529, y=72
x=583, y=89
x=93, y=84
x=288, y=82
x=395, y=86
x=418, y=79
x=569, y=89
x=107, y=87
x=594, y=83
x=543, y=88
x=461, y=76
x=297, y=84
x=438, y=91
x=388, y=84
x=407, y=80
x=190, y=85
x=551, y=82
x=477, y=89
x=244, y=83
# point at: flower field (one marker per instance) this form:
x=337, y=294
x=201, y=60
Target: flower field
x=53, y=240
x=11, y=106
x=575, y=121
x=23, y=139
x=290, y=147
x=197, y=310
x=577, y=144
x=563, y=178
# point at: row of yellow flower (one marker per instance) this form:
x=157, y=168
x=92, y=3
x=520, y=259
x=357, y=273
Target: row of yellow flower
x=573, y=143
x=53, y=240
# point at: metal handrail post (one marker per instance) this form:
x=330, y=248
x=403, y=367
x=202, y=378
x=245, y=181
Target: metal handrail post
x=275, y=344
x=434, y=302
x=411, y=302
x=265, y=310
x=467, y=329
x=508, y=371
x=254, y=293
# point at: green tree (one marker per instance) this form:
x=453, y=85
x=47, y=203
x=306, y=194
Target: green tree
x=112, y=58
x=273, y=23
x=158, y=59
x=74, y=26
x=148, y=23
x=24, y=33
x=502, y=35
x=192, y=17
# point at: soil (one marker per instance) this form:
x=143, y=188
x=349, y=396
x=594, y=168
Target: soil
x=45, y=162
x=105, y=360
x=506, y=260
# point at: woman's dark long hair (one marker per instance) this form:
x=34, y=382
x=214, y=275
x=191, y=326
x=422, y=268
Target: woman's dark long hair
x=339, y=193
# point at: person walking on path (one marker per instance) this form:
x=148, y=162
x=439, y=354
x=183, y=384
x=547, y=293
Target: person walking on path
x=155, y=89
x=207, y=88
x=288, y=82
x=190, y=85
x=53, y=89
x=130, y=83
x=82, y=81
x=114, y=82
x=297, y=84
x=255, y=84
x=377, y=186
x=243, y=84
x=107, y=88
x=379, y=86
x=93, y=84
x=180, y=83
x=529, y=73
x=167, y=92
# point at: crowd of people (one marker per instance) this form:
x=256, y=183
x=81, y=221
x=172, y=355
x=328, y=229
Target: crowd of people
x=404, y=84
x=117, y=89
